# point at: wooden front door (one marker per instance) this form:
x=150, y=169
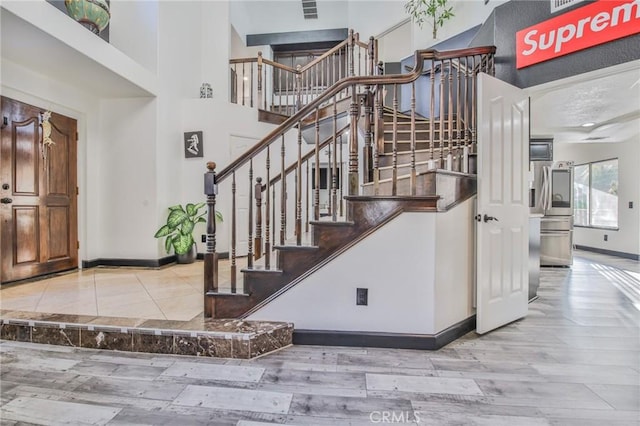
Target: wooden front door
x=38, y=209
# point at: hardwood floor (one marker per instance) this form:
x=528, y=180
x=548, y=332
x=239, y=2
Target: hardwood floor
x=574, y=360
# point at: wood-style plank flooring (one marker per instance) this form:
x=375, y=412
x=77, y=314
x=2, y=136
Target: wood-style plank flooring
x=574, y=360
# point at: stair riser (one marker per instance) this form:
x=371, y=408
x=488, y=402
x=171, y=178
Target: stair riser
x=421, y=126
x=419, y=136
x=386, y=159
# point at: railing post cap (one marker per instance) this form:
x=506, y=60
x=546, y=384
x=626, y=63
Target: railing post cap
x=259, y=52
x=211, y=166
x=258, y=179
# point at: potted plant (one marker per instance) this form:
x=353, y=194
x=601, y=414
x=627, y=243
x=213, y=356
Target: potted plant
x=179, y=230
x=436, y=11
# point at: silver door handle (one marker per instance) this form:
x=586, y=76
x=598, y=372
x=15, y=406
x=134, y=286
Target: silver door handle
x=487, y=218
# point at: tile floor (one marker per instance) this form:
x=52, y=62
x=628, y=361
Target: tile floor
x=172, y=293
x=574, y=360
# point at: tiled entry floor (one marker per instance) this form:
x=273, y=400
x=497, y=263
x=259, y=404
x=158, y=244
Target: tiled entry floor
x=171, y=293
x=574, y=360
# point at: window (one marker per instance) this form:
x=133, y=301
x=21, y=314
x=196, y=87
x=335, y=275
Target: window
x=595, y=189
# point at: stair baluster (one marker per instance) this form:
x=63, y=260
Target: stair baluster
x=233, y=232
x=432, y=115
x=394, y=170
x=450, y=155
x=283, y=195
x=458, y=135
x=473, y=123
x=259, y=98
x=258, y=239
x=250, y=214
x=308, y=208
x=267, y=220
x=316, y=181
x=243, y=82
x=341, y=178
x=334, y=169
x=299, y=188
x=413, y=177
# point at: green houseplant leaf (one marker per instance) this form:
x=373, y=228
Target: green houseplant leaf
x=180, y=226
x=436, y=11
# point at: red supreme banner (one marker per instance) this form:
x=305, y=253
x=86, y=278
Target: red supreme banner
x=587, y=26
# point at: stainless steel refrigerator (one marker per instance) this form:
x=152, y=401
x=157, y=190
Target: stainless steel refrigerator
x=551, y=195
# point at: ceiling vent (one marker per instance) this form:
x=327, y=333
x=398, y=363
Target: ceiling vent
x=557, y=5
x=310, y=9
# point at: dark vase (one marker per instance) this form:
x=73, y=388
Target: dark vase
x=188, y=257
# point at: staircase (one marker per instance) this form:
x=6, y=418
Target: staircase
x=339, y=167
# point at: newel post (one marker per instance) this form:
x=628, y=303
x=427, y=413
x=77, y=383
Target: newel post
x=210, y=256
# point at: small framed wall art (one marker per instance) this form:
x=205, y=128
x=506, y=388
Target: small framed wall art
x=193, y=144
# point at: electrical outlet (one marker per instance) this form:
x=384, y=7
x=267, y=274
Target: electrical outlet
x=362, y=296
x=630, y=204
x=203, y=238
x=606, y=237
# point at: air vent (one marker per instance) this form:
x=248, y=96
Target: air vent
x=310, y=9
x=595, y=138
x=557, y=5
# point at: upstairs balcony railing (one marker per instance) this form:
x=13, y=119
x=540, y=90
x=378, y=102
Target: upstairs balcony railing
x=275, y=87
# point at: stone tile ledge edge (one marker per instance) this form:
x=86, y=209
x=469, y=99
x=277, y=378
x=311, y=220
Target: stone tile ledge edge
x=140, y=330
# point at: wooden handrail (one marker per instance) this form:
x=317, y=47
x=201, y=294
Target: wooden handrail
x=279, y=65
x=326, y=54
x=419, y=57
x=311, y=64
x=241, y=60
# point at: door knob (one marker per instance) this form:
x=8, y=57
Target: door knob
x=6, y=201
x=487, y=218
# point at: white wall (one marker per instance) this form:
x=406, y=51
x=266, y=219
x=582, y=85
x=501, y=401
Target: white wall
x=468, y=13
x=139, y=18
x=426, y=281
x=126, y=179
x=327, y=299
x=370, y=18
x=454, y=266
x=627, y=238
x=396, y=44
x=260, y=17
x=48, y=19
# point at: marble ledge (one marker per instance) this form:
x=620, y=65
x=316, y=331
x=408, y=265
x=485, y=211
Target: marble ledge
x=199, y=337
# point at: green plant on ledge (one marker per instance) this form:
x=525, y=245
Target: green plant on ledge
x=180, y=225
x=435, y=11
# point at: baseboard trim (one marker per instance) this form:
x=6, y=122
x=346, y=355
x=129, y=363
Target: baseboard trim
x=384, y=340
x=140, y=263
x=610, y=252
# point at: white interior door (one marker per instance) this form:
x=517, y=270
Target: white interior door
x=502, y=204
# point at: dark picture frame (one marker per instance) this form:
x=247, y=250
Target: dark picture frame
x=193, y=144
